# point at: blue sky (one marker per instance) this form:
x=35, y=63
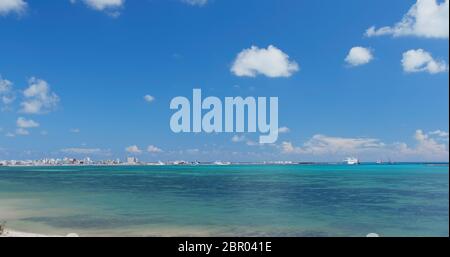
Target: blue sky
x=75, y=73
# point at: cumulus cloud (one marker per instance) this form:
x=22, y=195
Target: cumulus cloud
x=24, y=123
x=270, y=62
x=133, y=149
x=359, y=55
x=283, y=130
x=288, y=147
x=322, y=144
x=111, y=7
x=431, y=146
x=6, y=91
x=23, y=126
x=39, y=98
x=420, y=60
x=5, y=85
x=440, y=133
x=426, y=18
x=195, y=2
x=12, y=6
x=153, y=149
x=149, y=98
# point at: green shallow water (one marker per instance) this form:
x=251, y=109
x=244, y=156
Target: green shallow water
x=301, y=200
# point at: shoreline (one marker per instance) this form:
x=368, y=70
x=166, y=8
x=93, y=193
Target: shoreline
x=14, y=233
x=219, y=165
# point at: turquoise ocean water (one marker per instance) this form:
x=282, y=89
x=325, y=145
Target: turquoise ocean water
x=235, y=200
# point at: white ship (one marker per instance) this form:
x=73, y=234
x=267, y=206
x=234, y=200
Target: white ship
x=351, y=161
x=222, y=163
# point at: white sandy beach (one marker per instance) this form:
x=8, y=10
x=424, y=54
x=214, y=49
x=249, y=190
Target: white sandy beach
x=12, y=233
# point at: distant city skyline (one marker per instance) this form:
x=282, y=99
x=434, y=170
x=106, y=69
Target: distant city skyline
x=94, y=79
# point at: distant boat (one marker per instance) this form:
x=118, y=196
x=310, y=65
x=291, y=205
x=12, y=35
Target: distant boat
x=351, y=161
x=379, y=162
x=222, y=163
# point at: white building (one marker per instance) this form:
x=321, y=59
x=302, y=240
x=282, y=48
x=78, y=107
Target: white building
x=132, y=160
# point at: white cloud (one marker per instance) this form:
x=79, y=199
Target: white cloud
x=22, y=132
x=422, y=61
x=149, y=98
x=431, y=146
x=12, y=6
x=288, y=147
x=359, y=55
x=75, y=130
x=6, y=91
x=283, y=130
x=5, y=85
x=271, y=62
x=22, y=127
x=133, y=149
x=440, y=133
x=321, y=144
x=426, y=18
x=104, y=4
x=24, y=123
x=111, y=7
x=195, y=2
x=39, y=98
x=153, y=149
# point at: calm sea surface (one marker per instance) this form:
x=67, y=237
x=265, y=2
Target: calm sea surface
x=300, y=200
